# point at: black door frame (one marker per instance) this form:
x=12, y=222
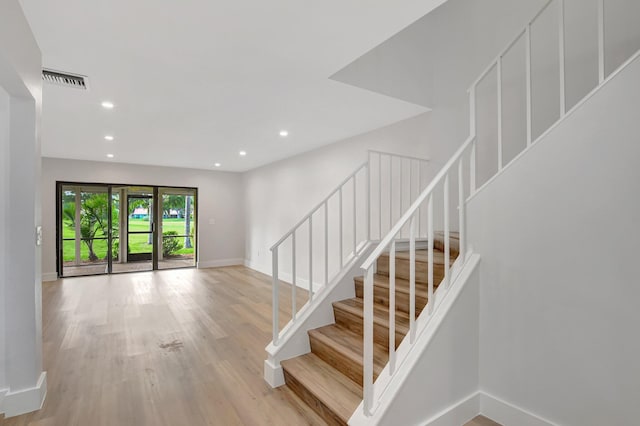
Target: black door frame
x=156, y=204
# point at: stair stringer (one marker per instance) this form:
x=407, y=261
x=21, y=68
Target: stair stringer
x=441, y=368
x=294, y=339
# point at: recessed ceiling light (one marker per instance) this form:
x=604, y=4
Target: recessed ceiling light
x=217, y=164
x=242, y=153
x=109, y=138
x=108, y=105
x=284, y=133
x=110, y=155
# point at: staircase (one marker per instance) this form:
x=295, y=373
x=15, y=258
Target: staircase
x=340, y=378
x=330, y=378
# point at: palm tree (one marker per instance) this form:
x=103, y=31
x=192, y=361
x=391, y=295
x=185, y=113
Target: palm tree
x=93, y=219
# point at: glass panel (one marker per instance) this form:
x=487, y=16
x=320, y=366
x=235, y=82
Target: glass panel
x=67, y=227
x=115, y=225
x=177, y=249
x=84, y=230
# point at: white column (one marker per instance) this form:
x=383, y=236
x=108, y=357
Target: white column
x=21, y=282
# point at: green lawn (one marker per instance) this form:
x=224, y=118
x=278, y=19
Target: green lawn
x=138, y=243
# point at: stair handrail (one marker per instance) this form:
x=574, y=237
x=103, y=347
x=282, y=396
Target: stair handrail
x=389, y=242
x=320, y=204
x=442, y=178
x=373, y=156
x=308, y=218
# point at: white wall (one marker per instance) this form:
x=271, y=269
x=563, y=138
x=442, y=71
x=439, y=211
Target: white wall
x=21, y=373
x=219, y=200
x=446, y=371
x=277, y=196
x=558, y=306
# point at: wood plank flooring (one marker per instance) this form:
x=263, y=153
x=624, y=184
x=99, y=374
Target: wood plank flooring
x=180, y=347
x=482, y=421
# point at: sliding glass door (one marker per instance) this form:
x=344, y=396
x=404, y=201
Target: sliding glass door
x=124, y=228
x=178, y=225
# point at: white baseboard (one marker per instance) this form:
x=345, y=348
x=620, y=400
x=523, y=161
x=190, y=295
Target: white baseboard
x=49, y=276
x=26, y=400
x=255, y=266
x=3, y=393
x=482, y=403
x=459, y=413
x=219, y=263
x=508, y=414
x=284, y=276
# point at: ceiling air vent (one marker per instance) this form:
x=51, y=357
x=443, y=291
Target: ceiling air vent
x=65, y=79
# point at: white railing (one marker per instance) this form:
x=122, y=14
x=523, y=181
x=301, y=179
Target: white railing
x=411, y=217
x=440, y=185
x=359, y=188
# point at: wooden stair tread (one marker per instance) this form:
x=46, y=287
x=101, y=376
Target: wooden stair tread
x=329, y=378
x=402, y=285
x=329, y=386
x=355, y=306
x=422, y=256
x=351, y=345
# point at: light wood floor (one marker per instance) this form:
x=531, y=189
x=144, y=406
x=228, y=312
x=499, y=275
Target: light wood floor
x=179, y=347
x=482, y=421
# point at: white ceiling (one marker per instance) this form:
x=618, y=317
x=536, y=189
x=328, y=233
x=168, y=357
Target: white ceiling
x=195, y=81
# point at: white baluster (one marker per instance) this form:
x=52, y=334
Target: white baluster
x=601, y=60
x=340, y=227
x=472, y=168
x=326, y=242
x=369, y=199
x=419, y=191
x=461, y=212
x=447, y=248
x=472, y=111
x=390, y=192
x=294, y=310
x=499, y=77
x=380, y=196
x=367, y=378
x=412, y=279
x=311, y=258
x=276, y=295
x=561, y=37
x=527, y=41
x=355, y=234
x=392, y=308
x=430, y=300
x=401, y=190
x=410, y=181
